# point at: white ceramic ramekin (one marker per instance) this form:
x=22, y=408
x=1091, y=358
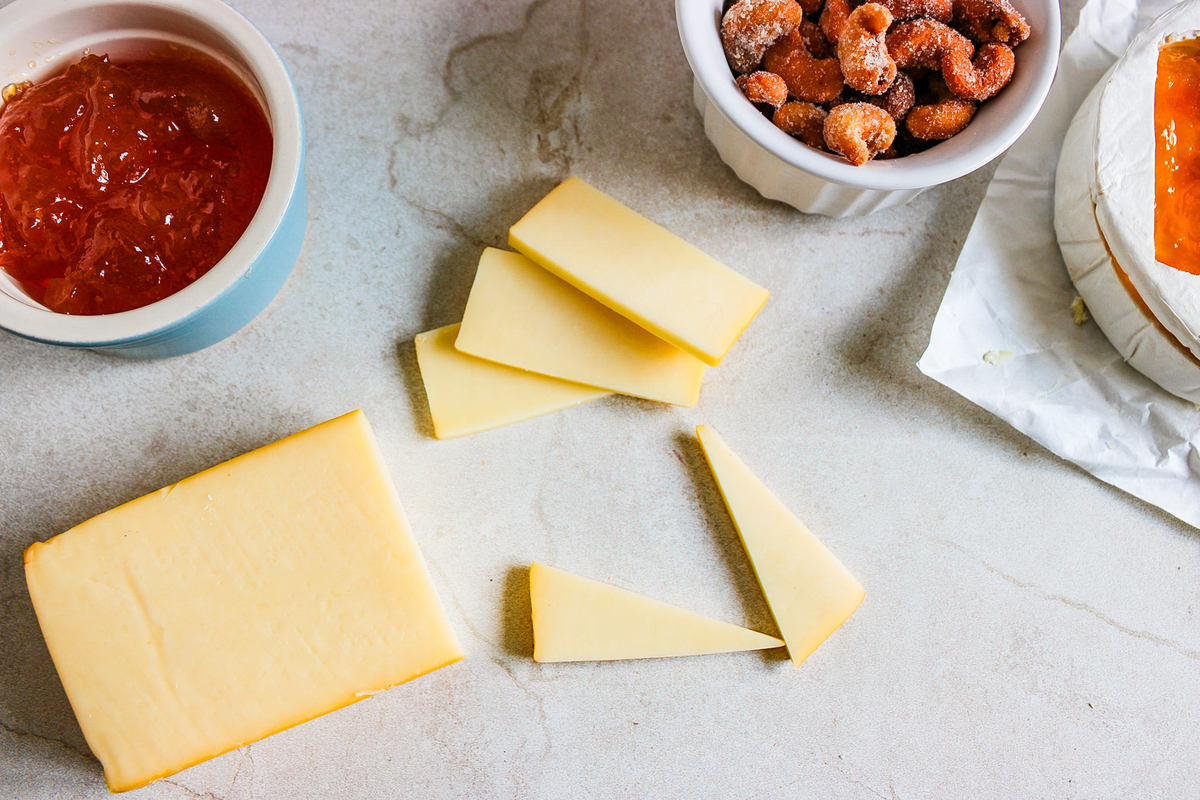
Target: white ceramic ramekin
x=782, y=168
x=40, y=38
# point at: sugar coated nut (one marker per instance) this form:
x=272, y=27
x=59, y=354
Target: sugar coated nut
x=815, y=80
x=862, y=50
x=940, y=120
x=814, y=40
x=764, y=87
x=899, y=99
x=941, y=10
x=834, y=17
x=991, y=21
x=848, y=78
x=749, y=27
x=923, y=44
x=803, y=120
x=858, y=131
x=981, y=77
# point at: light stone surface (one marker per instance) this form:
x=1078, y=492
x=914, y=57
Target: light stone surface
x=1027, y=632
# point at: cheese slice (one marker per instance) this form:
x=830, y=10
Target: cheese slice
x=639, y=269
x=1133, y=331
x=520, y=315
x=578, y=619
x=468, y=395
x=239, y=602
x=1124, y=158
x=808, y=590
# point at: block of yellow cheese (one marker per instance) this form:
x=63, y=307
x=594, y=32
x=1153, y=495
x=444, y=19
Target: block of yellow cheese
x=467, y=394
x=808, y=590
x=578, y=619
x=520, y=315
x=639, y=269
x=236, y=603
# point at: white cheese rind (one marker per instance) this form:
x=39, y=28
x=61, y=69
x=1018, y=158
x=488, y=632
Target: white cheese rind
x=579, y=619
x=1135, y=336
x=1124, y=192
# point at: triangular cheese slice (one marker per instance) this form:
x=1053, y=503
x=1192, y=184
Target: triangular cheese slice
x=578, y=619
x=468, y=395
x=520, y=315
x=808, y=590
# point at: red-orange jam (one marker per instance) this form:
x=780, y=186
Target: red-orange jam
x=120, y=184
x=1177, y=156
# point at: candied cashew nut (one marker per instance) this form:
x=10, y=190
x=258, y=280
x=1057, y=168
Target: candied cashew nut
x=764, y=87
x=940, y=120
x=814, y=39
x=899, y=99
x=862, y=50
x=833, y=19
x=902, y=10
x=923, y=43
x=803, y=120
x=858, y=131
x=749, y=27
x=991, y=21
x=815, y=80
x=981, y=77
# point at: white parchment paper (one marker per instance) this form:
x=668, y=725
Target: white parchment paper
x=1005, y=337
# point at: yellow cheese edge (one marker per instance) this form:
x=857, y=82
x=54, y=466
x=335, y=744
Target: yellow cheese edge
x=607, y=350
x=470, y=395
x=33, y=549
x=571, y=189
x=118, y=789
x=32, y=552
x=801, y=644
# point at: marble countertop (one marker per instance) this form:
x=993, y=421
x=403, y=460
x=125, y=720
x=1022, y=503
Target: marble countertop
x=1028, y=631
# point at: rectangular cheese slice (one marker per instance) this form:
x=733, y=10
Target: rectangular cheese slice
x=809, y=592
x=639, y=269
x=251, y=597
x=468, y=395
x=520, y=315
x=578, y=619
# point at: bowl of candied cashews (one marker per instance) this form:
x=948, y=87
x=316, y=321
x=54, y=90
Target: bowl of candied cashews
x=845, y=107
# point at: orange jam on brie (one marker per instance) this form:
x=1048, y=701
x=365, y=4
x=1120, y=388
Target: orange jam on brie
x=1177, y=155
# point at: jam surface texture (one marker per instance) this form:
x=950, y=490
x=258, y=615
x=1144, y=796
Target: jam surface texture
x=121, y=184
x=1177, y=156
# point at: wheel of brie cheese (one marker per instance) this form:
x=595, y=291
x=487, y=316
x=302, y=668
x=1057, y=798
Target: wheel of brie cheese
x=1105, y=215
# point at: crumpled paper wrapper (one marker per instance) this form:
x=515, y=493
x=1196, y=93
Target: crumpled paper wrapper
x=1005, y=336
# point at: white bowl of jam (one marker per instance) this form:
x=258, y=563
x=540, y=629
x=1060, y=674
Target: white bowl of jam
x=152, y=193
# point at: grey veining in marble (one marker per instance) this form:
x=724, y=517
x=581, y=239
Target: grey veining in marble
x=1027, y=632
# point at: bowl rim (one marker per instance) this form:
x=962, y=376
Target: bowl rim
x=699, y=24
x=282, y=107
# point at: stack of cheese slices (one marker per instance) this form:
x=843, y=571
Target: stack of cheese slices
x=598, y=300
x=1105, y=218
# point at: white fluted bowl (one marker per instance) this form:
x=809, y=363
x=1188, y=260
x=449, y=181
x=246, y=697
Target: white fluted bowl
x=783, y=168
